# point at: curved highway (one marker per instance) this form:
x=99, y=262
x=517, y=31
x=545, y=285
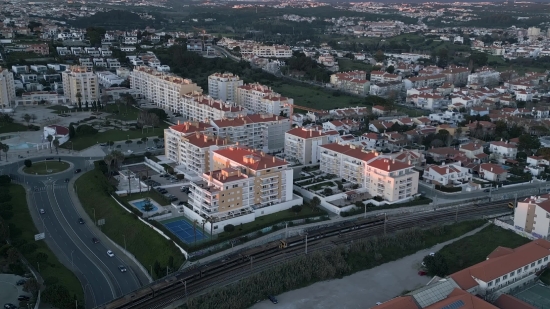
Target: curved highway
x=72, y=241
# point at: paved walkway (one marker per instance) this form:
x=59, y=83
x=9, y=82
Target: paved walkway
x=362, y=289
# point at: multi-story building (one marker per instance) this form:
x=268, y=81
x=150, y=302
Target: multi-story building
x=261, y=99
x=241, y=185
x=503, y=150
x=264, y=132
x=163, y=89
x=353, y=81
x=40, y=97
x=484, y=77
x=424, y=81
x=383, y=77
x=223, y=86
x=80, y=84
x=302, y=144
x=108, y=79
x=7, y=88
x=198, y=107
x=272, y=51
x=174, y=135
x=380, y=175
x=532, y=215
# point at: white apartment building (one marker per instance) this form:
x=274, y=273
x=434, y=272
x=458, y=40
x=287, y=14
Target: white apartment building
x=242, y=185
x=7, y=88
x=198, y=107
x=424, y=81
x=447, y=175
x=80, y=83
x=108, y=79
x=273, y=51
x=165, y=90
x=260, y=99
x=257, y=131
x=302, y=144
x=223, y=86
x=383, y=77
x=484, y=77
x=174, y=135
x=380, y=175
x=532, y=215
x=40, y=97
x=504, y=269
x=503, y=150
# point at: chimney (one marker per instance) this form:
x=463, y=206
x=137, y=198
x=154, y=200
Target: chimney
x=273, y=159
x=491, y=169
x=178, y=122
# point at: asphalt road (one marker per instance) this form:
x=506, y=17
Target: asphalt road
x=72, y=242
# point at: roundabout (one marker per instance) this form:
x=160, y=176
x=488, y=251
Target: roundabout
x=46, y=167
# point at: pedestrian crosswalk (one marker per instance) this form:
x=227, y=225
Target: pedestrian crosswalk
x=49, y=187
x=39, y=189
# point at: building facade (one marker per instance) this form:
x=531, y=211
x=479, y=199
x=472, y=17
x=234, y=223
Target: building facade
x=532, y=215
x=302, y=144
x=80, y=84
x=261, y=99
x=223, y=86
x=7, y=88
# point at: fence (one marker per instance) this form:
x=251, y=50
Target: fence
x=154, y=165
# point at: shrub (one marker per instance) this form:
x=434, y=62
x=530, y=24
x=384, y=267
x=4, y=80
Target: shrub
x=85, y=130
x=28, y=163
x=229, y=228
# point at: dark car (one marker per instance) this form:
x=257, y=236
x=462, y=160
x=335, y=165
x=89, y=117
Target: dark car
x=80, y=220
x=49, y=158
x=21, y=282
x=95, y=240
x=66, y=179
x=23, y=298
x=122, y=268
x=77, y=171
x=10, y=306
x=272, y=299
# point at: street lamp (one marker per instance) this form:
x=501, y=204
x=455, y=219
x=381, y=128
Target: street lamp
x=72, y=259
x=94, y=216
x=124, y=241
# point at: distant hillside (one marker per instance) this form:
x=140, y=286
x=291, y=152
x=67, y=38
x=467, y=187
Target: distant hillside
x=116, y=19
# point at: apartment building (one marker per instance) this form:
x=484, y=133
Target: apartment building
x=273, y=51
x=223, y=86
x=504, y=269
x=261, y=99
x=174, y=135
x=242, y=184
x=532, y=215
x=379, y=174
x=161, y=88
x=257, y=131
x=80, y=84
x=108, y=79
x=198, y=107
x=302, y=144
x=383, y=77
x=7, y=88
x=353, y=81
x=424, y=81
x=40, y=97
x=484, y=77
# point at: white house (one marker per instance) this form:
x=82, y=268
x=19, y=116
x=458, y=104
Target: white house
x=492, y=172
x=447, y=175
x=503, y=150
x=57, y=132
x=530, y=208
x=537, y=161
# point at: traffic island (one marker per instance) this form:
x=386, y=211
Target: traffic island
x=46, y=167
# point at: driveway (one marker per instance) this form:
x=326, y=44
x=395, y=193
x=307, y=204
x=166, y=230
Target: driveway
x=9, y=291
x=362, y=289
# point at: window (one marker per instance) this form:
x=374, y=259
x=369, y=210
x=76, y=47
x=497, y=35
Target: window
x=539, y=262
x=525, y=268
x=512, y=274
x=490, y=283
x=546, y=259
x=533, y=264
x=497, y=281
x=504, y=277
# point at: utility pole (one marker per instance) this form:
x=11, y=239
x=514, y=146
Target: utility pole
x=185, y=285
x=456, y=214
x=286, y=230
x=251, y=259
x=515, y=199
x=365, y=216
x=306, y=243
x=385, y=219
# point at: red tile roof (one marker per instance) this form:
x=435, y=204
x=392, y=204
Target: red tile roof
x=255, y=160
x=306, y=133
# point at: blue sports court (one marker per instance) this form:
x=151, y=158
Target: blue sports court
x=184, y=230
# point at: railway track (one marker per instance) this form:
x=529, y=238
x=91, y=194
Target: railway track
x=241, y=265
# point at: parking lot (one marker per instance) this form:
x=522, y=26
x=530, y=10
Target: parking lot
x=9, y=290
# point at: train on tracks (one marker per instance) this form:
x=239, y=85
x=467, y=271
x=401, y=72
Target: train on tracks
x=192, y=278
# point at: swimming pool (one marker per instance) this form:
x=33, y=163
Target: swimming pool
x=21, y=146
x=140, y=204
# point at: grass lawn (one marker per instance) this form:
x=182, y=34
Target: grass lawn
x=122, y=112
x=83, y=142
x=46, y=167
x=319, y=186
x=351, y=65
x=316, y=97
x=52, y=268
x=269, y=220
x=59, y=109
x=545, y=277
x=12, y=127
x=474, y=249
x=142, y=241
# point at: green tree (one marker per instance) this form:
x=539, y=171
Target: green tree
x=79, y=99
x=72, y=132
x=390, y=69
x=296, y=209
x=315, y=202
x=436, y=265
x=229, y=228
x=379, y=56
x=528, y=143
x=50, y=139
x=128, y=142
x=32, y=286
x=27, y=118
x=5, y=149
x=56, y=145
x=147, y=205
x=58, y=296
x=28, y=163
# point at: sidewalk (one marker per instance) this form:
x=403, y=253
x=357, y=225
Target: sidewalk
x=122, y=254
x=362, y=289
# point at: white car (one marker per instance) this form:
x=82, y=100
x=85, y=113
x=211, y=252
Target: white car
x=110, y=253
x=42, y=211
x=432, y=254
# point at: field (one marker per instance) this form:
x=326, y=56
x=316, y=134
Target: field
x=83, y=142
x=474, y=249
x=122, y=112
x=351, y=65
x=51, y=270
x=46, y=167
x=316, y=97
x=147, y=245
x=12, y=127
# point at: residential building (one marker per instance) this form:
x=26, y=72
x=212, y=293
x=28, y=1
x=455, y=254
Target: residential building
x=257, y=131
x=473, y=151
x=385, y=89
x=260, y=99
x=503, y=150
x=108, y=79
x=7, y=88
x=380, y=175
x=80, y=84
x=424, y=81
x=174, y=135
x=492, y=172
x=198, y=107
x=302, y=144
x=353, y=81
x=537, y=161
x=532, y=215
x=40, y=97
x=484, y=77
x=223, y=86
x=241, y=185
x=449, y=175
x=384, y=77
x=163, y=89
